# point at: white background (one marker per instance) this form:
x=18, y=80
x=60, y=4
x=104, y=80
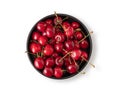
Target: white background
x=16, y=20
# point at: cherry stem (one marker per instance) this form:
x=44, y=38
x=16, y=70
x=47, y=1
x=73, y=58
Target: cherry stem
x=85, y=37
x=65, y=18
x=89, y=63
x=34, y=41
x=29, y=53
x=79, y=29
x=83, y=72
x=64, y=56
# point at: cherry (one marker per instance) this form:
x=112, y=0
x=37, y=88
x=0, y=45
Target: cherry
x=69, y=45
x=75, y=54
x=84, y=55
x=73, y=68
x=69, y=32
x=60, y=37
x=49, y=62
x=52, y=41
x=58, y=61
x=55, y=54
x=39, y=63
x=57, y=20
x=84, y=44
x=58, y=72
x=48, y=71
x=58, y=47
x=48, y=50
x=44, y=33
x=50, y=31
x=75, y=25
x=78, y=35
x=35, y=35
x=77, y=45
x=66, y=25
x=42, y=40
x=67, y=61
x=34, y=47
x=48, y=21
x=41, y=26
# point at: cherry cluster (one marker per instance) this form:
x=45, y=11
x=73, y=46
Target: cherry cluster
x=58, y=45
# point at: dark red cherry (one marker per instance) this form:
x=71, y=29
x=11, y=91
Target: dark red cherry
x=84, y=55
x=35, y=35
x=59, y=47
x=75, y=25
x=67, y=61
x=73, y=68
x=41, y=26
x=48, y=71
x=60, y=37
x=50, y=31
x=57, y=20
x=77, y=45
x=66, y=25
x=76, y=54
x=48, y=50
x=69, y=45
x=84, y=44
x=58, y=72
x=39, y=63
x=34, y=47
x=49, y=21
x=49, y=62
x=42, y=40
x=69, y=32
x=44, y=33
x=55, y=54
x=78, y=35
x=58, y=61
x=52, y=41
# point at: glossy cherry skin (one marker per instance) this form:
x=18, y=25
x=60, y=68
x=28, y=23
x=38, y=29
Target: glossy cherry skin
x=55, y=54
x=69, y=45
x=75, y=25
x=42, y=40
x=35, y=35
x=48, y=50
x=49, y=62
x=84, y=44
x=39, y=63
x=57, y=20
x=73, y=68
x=77, y=45
x=76, y=54
x=66, y=25
x=49, y=21
x=44, y=33
x=41, y=26
x=84, y=55
x=60, y=37
x=59, y=47
x=48, y=71
x=69, y=32
x=67, y=61
x=34, y=47
x=78, y=35
x=50, y=31
x=58, y=72
x=58, y=62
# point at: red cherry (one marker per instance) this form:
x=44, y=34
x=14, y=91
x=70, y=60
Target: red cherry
x=48, y=21
x=35, y=35
x=69, y=32
x=50, y=31
x=34, y=47
x=55, y=54
x=78, y=35
x=66, y=25
x=44, y=33
x=48, y=71
x=39, y=63
x=77, y=45
x=52, y=41
x=41, y=26
x=49, y=62
x=75, y=25
x=57, y=20
x=58, y=72
x=60, y=37
x=58, y=47
x=69, y=45
x=48, y=50
x=84, y=55
x=67, y=61
x=73, y=68
x=58, y=62
x=84, y=44
x=42, y=40
x=75, y=54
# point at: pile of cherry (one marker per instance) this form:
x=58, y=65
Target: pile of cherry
x=58, y=47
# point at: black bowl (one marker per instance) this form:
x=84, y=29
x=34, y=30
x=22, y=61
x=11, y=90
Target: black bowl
x=70, y=19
